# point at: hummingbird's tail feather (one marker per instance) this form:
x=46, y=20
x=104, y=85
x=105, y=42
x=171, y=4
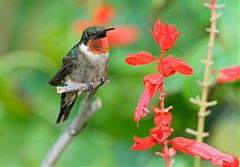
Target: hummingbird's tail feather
x=67, y=102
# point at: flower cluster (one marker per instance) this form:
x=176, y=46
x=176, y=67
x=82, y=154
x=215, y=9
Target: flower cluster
x=159, y=133
x=102, y=15
x=166, y=35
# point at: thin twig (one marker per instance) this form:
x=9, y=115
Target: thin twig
x=65, y=89
x=77, y=87
x=202, y=102
x=86, y=110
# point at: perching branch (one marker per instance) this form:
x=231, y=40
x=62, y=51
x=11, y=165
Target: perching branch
x=205, y=84
x=86, y=110
x=64, y=89
x=78, y=87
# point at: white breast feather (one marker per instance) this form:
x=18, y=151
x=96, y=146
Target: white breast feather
x=92, y=57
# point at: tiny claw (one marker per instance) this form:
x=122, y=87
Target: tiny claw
x=103, y=80
x=90, y=87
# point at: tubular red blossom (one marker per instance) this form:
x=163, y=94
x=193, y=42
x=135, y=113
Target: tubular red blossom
x=143, y=143
x=142, y=57
x=165, y=34
x=152, y=83
x=172, y=64
x=228, y=74
x=103, y=14
x=204, y=151
x=148, y=93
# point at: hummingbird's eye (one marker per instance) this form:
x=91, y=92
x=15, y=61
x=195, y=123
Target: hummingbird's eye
x=88, y=34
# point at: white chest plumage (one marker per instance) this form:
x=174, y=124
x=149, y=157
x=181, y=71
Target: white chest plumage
x=98, y=59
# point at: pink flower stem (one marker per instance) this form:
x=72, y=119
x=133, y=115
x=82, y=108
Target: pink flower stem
x=161, y=98
x=166, y=155
x=162, y=94
x=161, y=61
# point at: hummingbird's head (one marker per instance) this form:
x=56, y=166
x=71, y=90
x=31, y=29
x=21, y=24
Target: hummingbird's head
x=95, y=38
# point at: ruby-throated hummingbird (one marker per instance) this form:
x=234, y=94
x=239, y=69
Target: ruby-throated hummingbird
x=85, y=63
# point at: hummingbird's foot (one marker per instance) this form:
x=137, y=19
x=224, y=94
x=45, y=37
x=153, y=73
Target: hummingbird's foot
x=103, y=80
x=90, y=87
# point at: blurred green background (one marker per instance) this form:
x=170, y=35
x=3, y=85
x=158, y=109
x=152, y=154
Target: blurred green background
x=35, y=35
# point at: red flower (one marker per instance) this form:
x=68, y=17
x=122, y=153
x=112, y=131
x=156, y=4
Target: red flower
x=102, y=16
x=204, y=151
x=228, y=74
x=152, y=83
x=165, y=34
x=139, y=58
x=172, y=64
x=161, y=133
x=143, y=143
x=161, y=117
x=157, y=134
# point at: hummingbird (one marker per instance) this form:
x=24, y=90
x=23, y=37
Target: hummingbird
x=85, y=63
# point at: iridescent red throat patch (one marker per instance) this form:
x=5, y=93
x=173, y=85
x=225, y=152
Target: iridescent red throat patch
x=98, y=46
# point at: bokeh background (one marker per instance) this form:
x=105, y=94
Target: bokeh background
x=35, y=35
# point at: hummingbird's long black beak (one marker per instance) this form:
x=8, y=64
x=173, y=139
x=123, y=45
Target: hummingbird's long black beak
x=102, y=33
x=108, y=29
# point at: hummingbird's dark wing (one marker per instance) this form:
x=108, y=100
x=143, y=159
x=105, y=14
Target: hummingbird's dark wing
x=68, y=63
